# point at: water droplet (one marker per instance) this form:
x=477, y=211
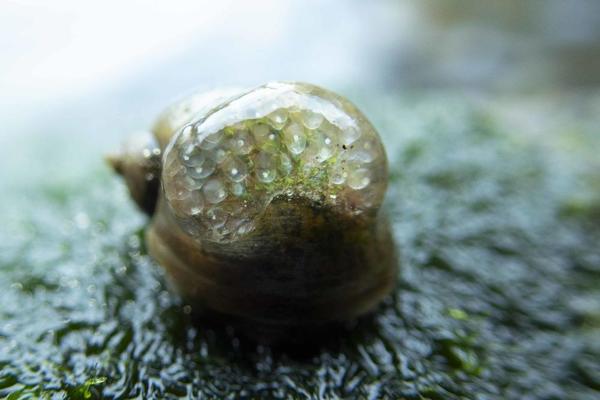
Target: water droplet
x=261, y=132
x=337, y=174
x=198, y=203
x=235, y=169
x=285, y=164
x=188, y=203
x=191, y=183
x=349, y=135
x=359, y=178
x=218, y=155
x=216, y=217
x=294, y=138
x=211, y=141
x=202, y=170
x=363, y=151
x=317, y=150
x=266, y=138
x=237, y=189
x=325, y=146
x=175, y=187
x=266, y=175
x=214, y=191
x=312, y=120
x=242, y=142
x=265, y=167
x=278, y=119
x=192, y=156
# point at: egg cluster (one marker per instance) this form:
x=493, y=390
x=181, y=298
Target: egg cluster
x=222, y=180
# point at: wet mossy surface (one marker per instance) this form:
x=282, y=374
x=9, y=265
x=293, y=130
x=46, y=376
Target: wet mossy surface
x=498, y=293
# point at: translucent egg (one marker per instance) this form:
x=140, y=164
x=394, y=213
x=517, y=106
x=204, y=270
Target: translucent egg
x=286, y=139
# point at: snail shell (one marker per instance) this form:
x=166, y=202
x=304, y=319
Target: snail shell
x=269, y=200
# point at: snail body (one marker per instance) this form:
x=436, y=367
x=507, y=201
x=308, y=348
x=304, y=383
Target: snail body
x=268, y=206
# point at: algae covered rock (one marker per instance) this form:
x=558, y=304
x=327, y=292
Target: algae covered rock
x=496, y=296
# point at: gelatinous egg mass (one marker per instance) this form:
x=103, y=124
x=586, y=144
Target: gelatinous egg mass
x=286, y=140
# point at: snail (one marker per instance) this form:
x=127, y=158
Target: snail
x=265, y=204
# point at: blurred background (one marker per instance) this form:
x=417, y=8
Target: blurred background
x=82, y=75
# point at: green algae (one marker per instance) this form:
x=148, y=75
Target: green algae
x=497, y=292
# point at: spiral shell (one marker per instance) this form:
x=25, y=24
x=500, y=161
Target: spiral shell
x=269, y=205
